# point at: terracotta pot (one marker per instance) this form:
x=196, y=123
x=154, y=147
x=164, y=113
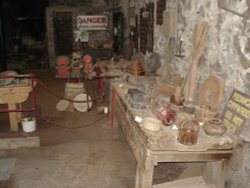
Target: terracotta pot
x=214, y=127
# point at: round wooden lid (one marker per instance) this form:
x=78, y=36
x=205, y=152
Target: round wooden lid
x=82, y=107
x=62, y=105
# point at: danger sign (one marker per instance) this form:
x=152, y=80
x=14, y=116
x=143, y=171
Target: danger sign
x=92, y=22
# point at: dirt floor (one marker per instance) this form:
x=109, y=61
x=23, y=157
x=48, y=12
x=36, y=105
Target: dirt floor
x=89, y=157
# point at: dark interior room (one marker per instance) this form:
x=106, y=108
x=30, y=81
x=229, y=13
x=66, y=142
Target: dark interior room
x=124, y=94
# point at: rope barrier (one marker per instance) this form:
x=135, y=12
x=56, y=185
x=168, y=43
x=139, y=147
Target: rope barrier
x=64, y=98
x=70, y=100
x=67, y=127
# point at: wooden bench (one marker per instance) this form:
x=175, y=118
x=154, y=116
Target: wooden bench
x=14, y=97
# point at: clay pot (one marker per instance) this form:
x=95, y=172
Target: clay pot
x=214, y=127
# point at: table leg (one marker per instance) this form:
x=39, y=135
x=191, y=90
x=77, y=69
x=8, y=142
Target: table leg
x=215, y=173
x=144, y=175
x=19, y=114
x=13, y=118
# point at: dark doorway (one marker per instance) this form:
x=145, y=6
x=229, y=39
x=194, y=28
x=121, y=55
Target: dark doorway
x=63, y=32
x=118, y=32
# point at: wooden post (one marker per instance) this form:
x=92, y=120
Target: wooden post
x=13, y=118
x=144, y=174
x=19, y=114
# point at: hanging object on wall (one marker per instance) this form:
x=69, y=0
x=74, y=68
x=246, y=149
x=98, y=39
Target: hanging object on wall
x=169, y=23
x=199, y=38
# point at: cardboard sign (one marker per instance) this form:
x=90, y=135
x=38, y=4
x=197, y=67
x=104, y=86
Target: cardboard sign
x=91, y=22
x=236, y=112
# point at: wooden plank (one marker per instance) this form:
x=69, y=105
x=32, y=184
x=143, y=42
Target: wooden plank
x=14, y=94
x=19, y=114
x=192, y=156
x=169, y=23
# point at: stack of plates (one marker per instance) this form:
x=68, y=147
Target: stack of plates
x=136, y=69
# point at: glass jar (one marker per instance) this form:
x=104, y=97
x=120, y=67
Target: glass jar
x=188, y=132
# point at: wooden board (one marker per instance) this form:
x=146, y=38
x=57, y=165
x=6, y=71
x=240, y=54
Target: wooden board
x=14, y=94
x=169, y=25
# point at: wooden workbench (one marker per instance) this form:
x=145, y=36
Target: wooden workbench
x=150, y=148
x=14, y=96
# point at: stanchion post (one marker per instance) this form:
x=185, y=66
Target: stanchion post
x=32, y=78
x=112, y=112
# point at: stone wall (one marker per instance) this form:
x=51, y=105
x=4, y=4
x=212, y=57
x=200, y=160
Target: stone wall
x=227, y=51
x=226, y=54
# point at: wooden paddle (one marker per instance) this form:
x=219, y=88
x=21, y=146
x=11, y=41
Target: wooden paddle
x=200, y=35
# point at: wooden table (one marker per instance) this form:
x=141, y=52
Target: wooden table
x=150, y=148
x=14, y=96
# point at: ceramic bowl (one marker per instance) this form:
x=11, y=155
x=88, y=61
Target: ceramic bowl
x=214, y=127
x=151, y=124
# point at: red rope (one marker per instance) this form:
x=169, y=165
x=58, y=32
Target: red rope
x=63, y=98
x=67, y=127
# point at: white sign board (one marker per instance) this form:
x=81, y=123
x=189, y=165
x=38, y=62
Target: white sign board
x=91, y=22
